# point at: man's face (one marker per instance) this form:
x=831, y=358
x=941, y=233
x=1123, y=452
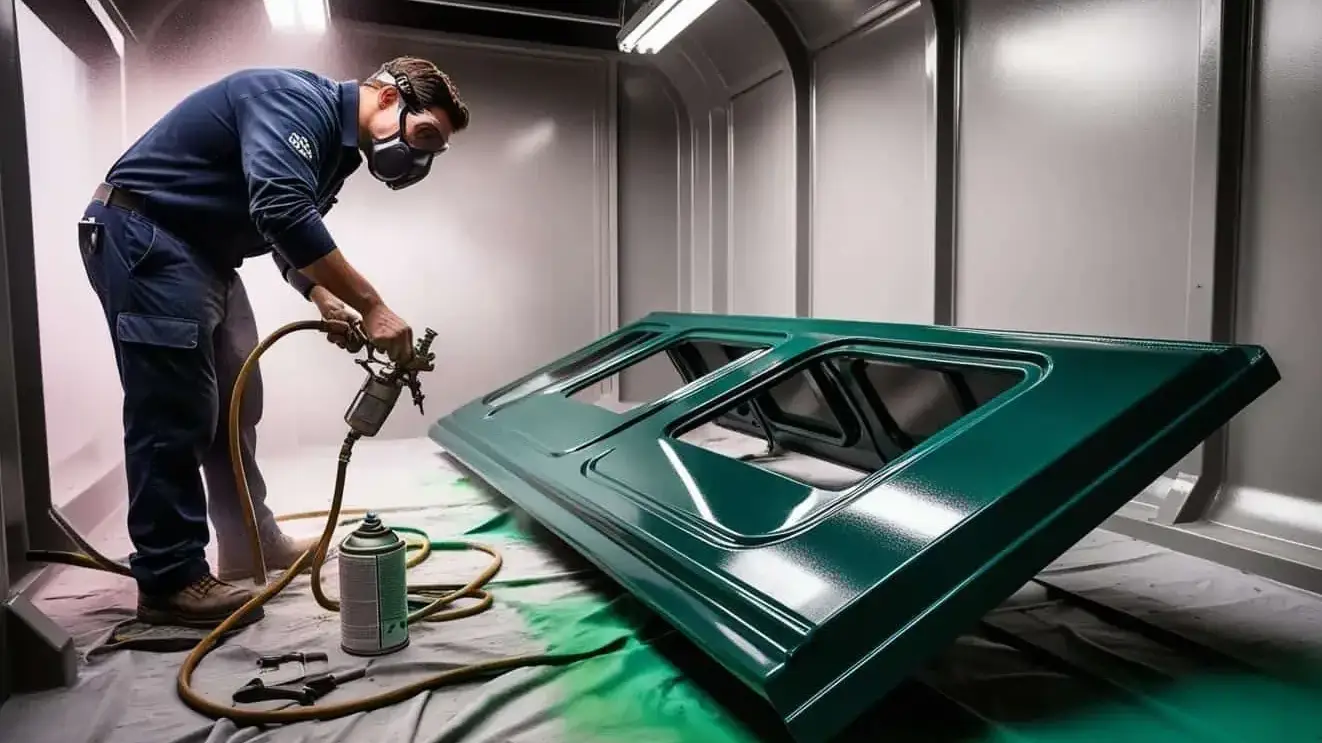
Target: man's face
x=428, y=131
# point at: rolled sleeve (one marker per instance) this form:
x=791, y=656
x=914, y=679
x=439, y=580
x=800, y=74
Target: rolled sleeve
x=282, y=150
x=295, y=278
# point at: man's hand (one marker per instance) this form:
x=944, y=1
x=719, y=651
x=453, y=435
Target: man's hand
x=384, y=329
x=331, y=308
x=389, y=333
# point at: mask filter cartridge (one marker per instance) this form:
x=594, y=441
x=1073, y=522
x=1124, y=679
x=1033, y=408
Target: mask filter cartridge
x=393, y=162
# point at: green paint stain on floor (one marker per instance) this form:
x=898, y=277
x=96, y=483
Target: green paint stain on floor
x=638, y=695
x=503, y=525
x=441, y=478
x=633, y=694
x=455, y=490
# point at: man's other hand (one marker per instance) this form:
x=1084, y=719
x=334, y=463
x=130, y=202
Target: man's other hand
x=387, y=332
x=331, y=308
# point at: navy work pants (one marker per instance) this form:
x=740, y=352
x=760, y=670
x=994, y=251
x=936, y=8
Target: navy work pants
x=181, y=330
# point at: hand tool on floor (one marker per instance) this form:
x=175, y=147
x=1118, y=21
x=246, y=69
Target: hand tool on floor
x=275, y=669
x=312, y=689
x=267, y=662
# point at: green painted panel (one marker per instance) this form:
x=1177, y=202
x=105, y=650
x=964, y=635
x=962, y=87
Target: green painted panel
x=899, y=481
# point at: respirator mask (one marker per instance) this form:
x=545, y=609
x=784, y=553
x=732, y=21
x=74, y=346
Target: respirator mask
x=392, y=160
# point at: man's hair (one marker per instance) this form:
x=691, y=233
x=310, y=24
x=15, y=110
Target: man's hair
x=423, y=85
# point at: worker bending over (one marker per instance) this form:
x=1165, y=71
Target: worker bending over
x=245, y=166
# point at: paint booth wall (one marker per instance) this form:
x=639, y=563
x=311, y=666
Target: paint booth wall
x=1080, y=206
x=71, y=112
x=497, y=250
x=1084, y=202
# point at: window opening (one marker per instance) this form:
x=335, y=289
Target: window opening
x=839, y=418
x=660, y=373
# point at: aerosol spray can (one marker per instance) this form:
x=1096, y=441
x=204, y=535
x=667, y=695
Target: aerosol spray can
x=374, y=605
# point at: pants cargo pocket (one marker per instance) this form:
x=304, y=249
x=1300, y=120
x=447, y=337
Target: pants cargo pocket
x=153, y=330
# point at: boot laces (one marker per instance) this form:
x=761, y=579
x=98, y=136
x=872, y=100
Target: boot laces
x=204, y=586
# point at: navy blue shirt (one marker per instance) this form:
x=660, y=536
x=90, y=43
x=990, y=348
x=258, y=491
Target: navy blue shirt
x=249, y=163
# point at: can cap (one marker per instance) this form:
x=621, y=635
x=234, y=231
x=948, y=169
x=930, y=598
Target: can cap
x=371, y=536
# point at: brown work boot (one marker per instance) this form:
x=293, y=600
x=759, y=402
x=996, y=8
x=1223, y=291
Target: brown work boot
x=204, y=603
x=279, y=554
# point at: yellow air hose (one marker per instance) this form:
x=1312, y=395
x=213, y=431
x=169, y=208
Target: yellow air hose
x=433, y=611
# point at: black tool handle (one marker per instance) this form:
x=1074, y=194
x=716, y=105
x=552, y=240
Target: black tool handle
x=275, y=661
x=255, y=691
x=353, y=675
x=316, y=687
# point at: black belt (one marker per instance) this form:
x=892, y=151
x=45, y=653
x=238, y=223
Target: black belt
x=120, y=198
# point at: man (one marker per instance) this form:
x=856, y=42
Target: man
x=245, y=166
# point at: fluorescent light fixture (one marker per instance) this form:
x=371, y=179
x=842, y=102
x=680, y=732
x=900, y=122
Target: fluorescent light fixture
x=298, y=15
x=662, y=23
x=550, y=15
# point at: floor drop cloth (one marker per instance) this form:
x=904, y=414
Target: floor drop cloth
x=1062, y=660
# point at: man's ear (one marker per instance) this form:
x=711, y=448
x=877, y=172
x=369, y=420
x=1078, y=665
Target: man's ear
x=387, y=97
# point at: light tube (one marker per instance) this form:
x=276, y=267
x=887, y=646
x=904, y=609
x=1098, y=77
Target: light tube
x=297, y=15
x=660, y=27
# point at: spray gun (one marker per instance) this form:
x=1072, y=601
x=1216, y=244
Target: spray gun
x=385, y=381
x=374, y=604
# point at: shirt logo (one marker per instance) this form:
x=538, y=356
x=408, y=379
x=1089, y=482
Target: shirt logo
x=301, y=145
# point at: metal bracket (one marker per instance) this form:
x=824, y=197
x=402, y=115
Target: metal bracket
x=40, y=654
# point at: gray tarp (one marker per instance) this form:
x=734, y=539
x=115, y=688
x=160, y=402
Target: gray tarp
x=1042, y=667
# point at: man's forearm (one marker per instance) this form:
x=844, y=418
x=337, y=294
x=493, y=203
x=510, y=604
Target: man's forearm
x=334, y=273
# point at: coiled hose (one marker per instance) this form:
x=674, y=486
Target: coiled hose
x=441, y=595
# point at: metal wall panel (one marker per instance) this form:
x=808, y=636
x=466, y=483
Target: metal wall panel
x=872, y=241
x=1076, y=165
x=701, y=240
x=824, y=22
x=24, y=473
x=1274, y=474
x=651, y=170
x=762, y=171
x=1096, y=167
x=699, y=85
x=731, y=59
x=719, y=230
x=739, y=44
x=6, y=673
x=8, y=388
x=15, y=226
x=83, y=418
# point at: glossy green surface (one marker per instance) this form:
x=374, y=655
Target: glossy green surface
x=987, y=455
